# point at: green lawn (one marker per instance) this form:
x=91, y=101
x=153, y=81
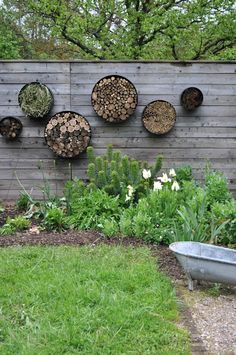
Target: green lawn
x=88, y=300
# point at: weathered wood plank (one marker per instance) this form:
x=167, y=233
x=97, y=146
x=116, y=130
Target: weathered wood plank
x=81, y=163
x=13, y=89
x=112, y=131
x=34, y=67
x=12, y=100
x=210, y=111
x=45, y=78
x=143, y=100
x=64, y=175
x=145, y=68
x=138, y=153
x=159, y=78
x=163, y=89
x=149, y=142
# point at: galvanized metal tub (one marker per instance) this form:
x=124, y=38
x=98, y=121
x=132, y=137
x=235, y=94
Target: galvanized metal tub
x=206, y=262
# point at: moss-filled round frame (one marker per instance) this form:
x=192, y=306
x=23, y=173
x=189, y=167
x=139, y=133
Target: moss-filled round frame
x=10, y=127
x=36, y=100
x=68, y=134
x=159, y=117
x=114, y=98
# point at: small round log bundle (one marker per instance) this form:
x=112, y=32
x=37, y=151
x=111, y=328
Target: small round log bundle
x=10, y=127
x=67, y=134
x=35, y=100
x=114, y=98
x=191, y=98
x=159, y=117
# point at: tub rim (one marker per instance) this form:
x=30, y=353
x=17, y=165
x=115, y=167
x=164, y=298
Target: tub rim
x=194, y=256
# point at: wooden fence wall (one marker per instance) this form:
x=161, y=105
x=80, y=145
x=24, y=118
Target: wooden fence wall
x=209, y=133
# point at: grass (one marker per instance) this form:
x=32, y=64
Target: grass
x=89, y=300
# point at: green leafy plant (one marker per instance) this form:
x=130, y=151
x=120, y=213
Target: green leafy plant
x=91, y=207
x=54, y=220
x=12, y=225
x=194, y=226
x=184, y=173
x=224, y=214
x=216, y=187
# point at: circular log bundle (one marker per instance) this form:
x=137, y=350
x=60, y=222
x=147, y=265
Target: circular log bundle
x=191, y=98
x=114, y=98
x=10, y=127
x=67, y=134
x=35, y=100
x=159, y=117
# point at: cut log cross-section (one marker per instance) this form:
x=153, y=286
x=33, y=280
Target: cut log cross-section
x=159, y=117
x=10, y=127
x=114, y=98
x=68, y=134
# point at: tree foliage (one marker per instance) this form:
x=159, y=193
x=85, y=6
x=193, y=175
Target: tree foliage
x=127, y=29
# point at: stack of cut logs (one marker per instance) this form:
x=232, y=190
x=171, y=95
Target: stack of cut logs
x=68, y=134
x=191, y=98
x=10, y=127
x=114, y=98
x=159, y=117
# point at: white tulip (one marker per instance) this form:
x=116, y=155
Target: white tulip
x=146, y=174
x=164, y=178
x=172, y=172
x=175, y=186
x=157, y=185
x=130, y=190
x=127, y=198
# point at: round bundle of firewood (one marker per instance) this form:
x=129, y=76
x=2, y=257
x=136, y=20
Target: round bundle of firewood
x=114, y=98
x=67, y=134
x=191, y=98
x=159, y=117
x=35, y=100
x=10, y=127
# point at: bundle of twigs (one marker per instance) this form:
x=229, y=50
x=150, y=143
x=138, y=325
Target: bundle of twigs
x=114, y=98
x=35, y=100
x=159, y=117
x=67, y=134
x=10, y=127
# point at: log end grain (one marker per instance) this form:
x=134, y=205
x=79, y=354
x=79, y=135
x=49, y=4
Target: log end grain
x=10, y=127
x=114, y=98
x=68, y=134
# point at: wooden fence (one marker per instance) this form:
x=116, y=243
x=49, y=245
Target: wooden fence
x=207, y=134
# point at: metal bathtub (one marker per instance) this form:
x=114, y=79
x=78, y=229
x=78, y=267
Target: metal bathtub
x=206, y=262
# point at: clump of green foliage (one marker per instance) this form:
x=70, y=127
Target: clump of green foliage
x=126, y=197
x=114, y=173
x=13, y=225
